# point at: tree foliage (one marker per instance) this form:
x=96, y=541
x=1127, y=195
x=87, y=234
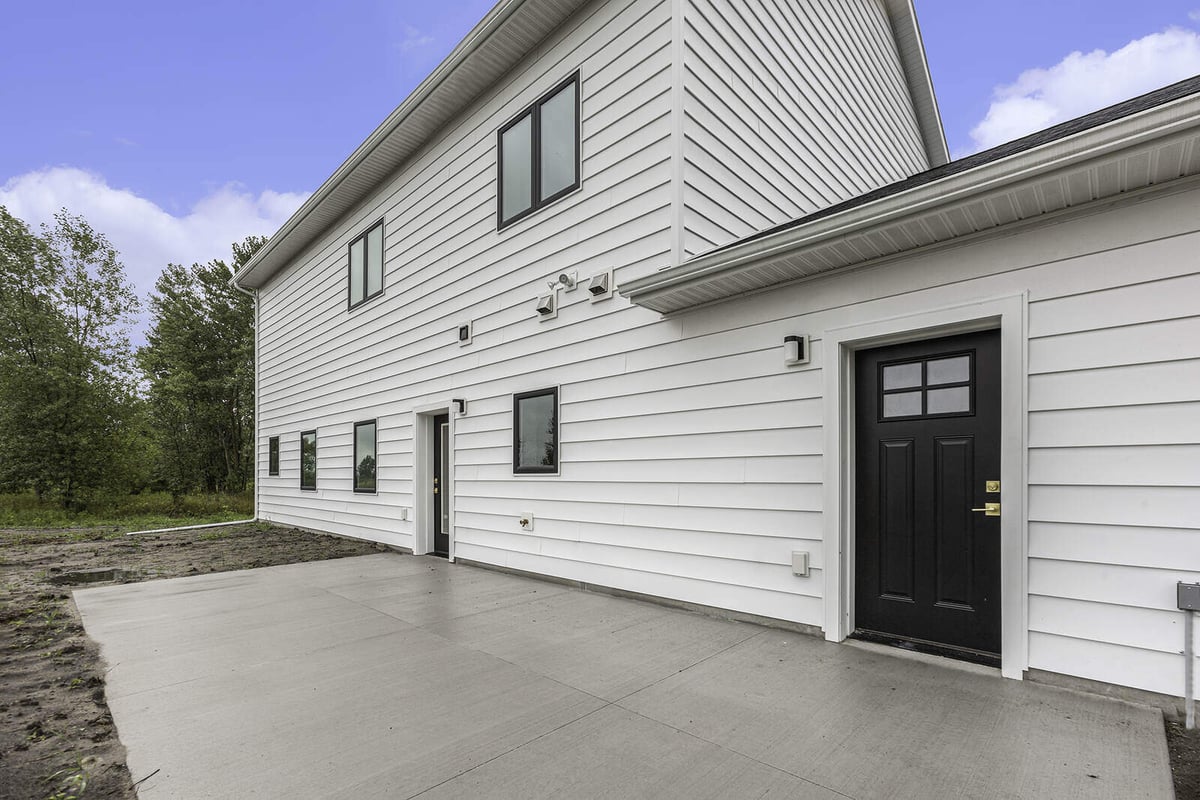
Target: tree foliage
x=199, y=370
x=68, y=414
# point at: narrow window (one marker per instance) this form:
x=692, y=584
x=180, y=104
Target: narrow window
x=366, y=265
x=538, y=154
x=308, y=460
x=535, y=432
x=273, y=455
x=364, y=456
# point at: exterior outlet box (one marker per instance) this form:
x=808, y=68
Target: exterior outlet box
x=800, y=563
x=525, y=521
x=1188, y=595
x=404, y=514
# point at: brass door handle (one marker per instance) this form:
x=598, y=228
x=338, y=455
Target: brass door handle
x=989, y=509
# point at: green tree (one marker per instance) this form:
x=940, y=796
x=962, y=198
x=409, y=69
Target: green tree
x=199, y=367
x=66, y=379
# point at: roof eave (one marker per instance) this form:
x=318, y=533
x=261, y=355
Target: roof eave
x=268, y=260
x=663, y=290
x=911, y=48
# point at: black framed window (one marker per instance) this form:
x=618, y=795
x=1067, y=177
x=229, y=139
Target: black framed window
x=308, y=460
x=943, y=386
x=366, y=265
x=364, y=456
x=535, y=432
x=537, y=153
x=273, y=455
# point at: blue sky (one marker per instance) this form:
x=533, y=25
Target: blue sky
x=179, y=127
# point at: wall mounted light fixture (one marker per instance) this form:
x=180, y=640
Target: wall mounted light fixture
x=460, y=405
x=795, y=350
x=464, y=333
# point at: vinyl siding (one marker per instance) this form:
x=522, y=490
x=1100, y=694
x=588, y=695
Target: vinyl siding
x=324, y=367
x=1113, y=420
x=691, y=457
x=787, y=108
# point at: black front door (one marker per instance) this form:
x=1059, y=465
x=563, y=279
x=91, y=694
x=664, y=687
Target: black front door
x=441, y=504
x=927, y=427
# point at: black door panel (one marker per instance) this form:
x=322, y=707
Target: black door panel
x=441, y=532
x=927, y=427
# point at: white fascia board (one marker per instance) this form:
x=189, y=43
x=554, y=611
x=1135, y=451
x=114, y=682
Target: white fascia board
x=956, y=189
x=907, y=33
x=495, y=18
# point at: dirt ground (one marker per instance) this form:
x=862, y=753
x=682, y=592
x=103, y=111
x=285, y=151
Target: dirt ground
x=57, y=739
x=1185, y=760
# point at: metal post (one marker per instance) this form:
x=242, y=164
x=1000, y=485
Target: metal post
x=1189, y=670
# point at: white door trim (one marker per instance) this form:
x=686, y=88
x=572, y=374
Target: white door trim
x=423, y=510
x=1009, y=315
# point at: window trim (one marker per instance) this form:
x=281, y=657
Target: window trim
x=273, y=457
x=350, y=304
x=533, y=112
x=375, y=447
x=516, y=447
x=312, y=488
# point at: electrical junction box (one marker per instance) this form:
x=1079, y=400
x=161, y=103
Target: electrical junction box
x=800, y=563
x=1189, y=596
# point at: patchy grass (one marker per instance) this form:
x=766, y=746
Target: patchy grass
x=124, y=513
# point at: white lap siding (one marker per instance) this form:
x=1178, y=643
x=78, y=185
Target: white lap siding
x=324, y=367
x=691, y=456
x=787, y=108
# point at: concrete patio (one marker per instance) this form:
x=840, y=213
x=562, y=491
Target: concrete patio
x=397, y=676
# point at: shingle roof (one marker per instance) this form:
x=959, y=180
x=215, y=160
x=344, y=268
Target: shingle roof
x=1063, y=130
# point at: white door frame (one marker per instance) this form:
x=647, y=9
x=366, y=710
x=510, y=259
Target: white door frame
x=1006, y=313
x=423, y=510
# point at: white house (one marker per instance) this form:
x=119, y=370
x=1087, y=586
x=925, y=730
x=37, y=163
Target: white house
x=683, y=298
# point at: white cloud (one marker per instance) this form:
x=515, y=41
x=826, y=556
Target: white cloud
x=1084, y=82
x=1194, y=16
x=414, y=39
x=146, y=236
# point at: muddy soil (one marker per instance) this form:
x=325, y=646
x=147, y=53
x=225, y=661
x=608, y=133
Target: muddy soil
x=57, y=739
x=1185, y=760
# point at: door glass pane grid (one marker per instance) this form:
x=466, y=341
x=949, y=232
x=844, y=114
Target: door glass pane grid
x=931, y=387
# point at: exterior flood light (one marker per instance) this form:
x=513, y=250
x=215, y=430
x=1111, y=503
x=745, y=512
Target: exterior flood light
x=795, y=350
x=567, y=280
x=600, y=286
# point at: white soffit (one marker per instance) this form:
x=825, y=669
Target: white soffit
x=509, y=33
x=1153, y=147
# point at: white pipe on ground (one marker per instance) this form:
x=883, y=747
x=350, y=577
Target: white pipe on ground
x=195, y=527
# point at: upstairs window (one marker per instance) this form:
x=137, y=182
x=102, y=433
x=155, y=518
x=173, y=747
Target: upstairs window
x=308, y=460
x=366, y=265
x=538, y=153
x=535, y=432
x=364, y=457
x=273, y=455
